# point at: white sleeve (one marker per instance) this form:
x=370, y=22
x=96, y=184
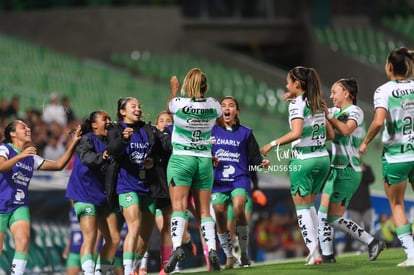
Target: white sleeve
x=380, y=99
x=4, y=152
x=357, y=114
x=38, y=161
x=174, y=104
x=296, y=109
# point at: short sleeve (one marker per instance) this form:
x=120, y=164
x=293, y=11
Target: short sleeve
x=356, y=114
x=38, y=161
x=174, y=104
x=296, y=109
x=380, y=99
x=4, y=152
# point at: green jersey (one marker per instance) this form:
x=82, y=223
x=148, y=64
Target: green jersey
x=193, y=120
x=397, y=97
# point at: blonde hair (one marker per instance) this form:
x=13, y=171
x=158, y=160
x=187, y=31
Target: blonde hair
x=195, y=83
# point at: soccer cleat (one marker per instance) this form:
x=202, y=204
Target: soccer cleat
x=313, y=261
x=408, y=262
x=214, y=260
x=244, y=260
x=330, y=259
x=230, y=261
x=177, y=255
x=374, y=249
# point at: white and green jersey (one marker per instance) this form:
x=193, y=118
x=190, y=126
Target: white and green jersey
x=397, y=97
x=312, y=141
x=345, y=148
x=193, y=120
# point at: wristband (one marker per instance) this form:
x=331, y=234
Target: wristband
x=273, y=143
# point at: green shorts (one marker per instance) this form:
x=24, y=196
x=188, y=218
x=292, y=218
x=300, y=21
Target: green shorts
x=342, y=185
x=88, y=209
x=227, y=197
x=394, y=173
x=310, y=177
x=146, y=204
x=7, y=219
x=196, y=172
x=73, y=260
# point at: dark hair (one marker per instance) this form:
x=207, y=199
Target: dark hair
x=220, y=120
x=122, y=101
x=310, y=84
x=401, y=60
x=11, y=127
x=86, y=126
x=351, y=85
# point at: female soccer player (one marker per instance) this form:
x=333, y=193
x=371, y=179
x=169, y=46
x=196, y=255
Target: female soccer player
x=234, y=150
x=394, y=107
x=309, y=164
x=347, y=119
x=85, y=188
x=190, y=165
x=18, y=160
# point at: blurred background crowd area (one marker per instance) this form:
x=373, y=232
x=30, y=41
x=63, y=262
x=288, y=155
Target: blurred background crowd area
x=62, y=59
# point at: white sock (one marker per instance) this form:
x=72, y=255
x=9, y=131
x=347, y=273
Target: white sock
x=177, y=229
x=243, y=235
x=144, y=260
x=325, y=232
x=209, y=232
x=307, y=227
x=225, y=242
x=353, y=229
x=18, y=266
x=88, y=267
x=405, y=236
x=128, y=266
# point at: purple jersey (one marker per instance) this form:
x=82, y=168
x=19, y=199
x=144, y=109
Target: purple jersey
x=231, y=149
x=84, y=184
x=14, y=184
x=131, y=174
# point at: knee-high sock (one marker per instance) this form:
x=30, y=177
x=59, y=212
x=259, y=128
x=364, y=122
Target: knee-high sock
x=243, y=235
x=225, y=242
x=209, y=232
x=350, y=227
x=88, y=264
x=19, y=263
x=325, y=232
x=177, y=228
x=308, y=228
